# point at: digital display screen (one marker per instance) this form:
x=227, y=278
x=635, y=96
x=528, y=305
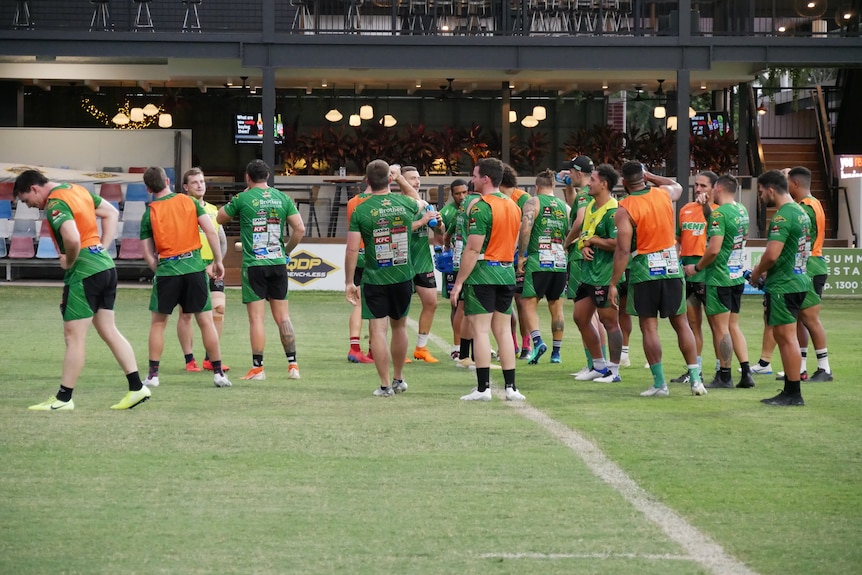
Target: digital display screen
x=710, y=123
x=248, y=129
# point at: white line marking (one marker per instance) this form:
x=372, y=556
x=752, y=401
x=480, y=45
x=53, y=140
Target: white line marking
x=699, y=547
x=650, y=556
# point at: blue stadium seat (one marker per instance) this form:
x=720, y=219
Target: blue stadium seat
x=2, y=247
x=137, y=193
x=5, y=210
x=46, y=250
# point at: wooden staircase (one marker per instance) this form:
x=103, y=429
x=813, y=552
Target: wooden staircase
x=778, y=156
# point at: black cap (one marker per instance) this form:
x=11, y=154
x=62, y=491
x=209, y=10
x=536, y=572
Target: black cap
x=581, y=164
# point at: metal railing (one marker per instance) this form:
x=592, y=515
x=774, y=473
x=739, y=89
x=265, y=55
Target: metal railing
x=442, y=17
x=827, y=156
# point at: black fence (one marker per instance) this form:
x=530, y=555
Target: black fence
x=438, y=17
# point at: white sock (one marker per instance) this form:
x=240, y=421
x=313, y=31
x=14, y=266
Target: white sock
x=422, y=340
x=614, y=367
x=599, y=364
x=823, y=360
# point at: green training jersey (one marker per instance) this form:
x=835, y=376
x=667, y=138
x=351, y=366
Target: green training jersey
x=447, y=214
x=598, y=271
x=790, y=225
x=730, y=222
x=545, y=250
x=188, y=263
x=384, y=221
x=263, y=214
x=581, y=200
x=90, y=261
x=459, y=229
x=420, y=250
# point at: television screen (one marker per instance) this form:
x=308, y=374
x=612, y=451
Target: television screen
x=710, y=123
x=248, y=129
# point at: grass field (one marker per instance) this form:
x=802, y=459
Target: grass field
x=317, y=476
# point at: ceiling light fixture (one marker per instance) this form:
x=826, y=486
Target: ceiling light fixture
x=150, y=110
x=762, y=110
x=120, y=119
x=529, y=122
x=660, y=112
x=366, y=112
x=333, y=115
x=166, y=121
x=513, y=116
x=354, y=120
x=136, y=115
x=672, y=123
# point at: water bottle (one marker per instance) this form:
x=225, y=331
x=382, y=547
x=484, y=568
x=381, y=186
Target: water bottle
x=567, y=180
x=747, y=275
x=432, y=223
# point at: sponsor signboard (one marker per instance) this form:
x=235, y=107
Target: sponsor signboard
x=845, y=270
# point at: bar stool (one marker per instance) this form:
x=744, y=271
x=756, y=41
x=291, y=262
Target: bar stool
x=147, y=21
x=352, y=23
x=101, y=17
x=302, y=16
x=22, y=15
x=192, y=8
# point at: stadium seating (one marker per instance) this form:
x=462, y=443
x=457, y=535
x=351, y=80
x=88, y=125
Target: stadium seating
x=137, y=169
x=137, y=193
x=134, y=211
x=46, y=250
x=131, y=246
x=25, y=212
x=21, y=243
x=5, y=210
x=111, y=192
x=2, y=247
x=6, y=190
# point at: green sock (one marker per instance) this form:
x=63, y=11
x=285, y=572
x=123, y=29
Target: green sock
x=694, y=373
x=657, y=375
x=589, y=358
x=605, y=351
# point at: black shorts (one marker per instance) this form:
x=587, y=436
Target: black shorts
x=490, y=298
x=268, y=282
x=544, y=284
x=448, y=282
x=189, y=291
x=216, y=285
x=658, y=298
x=519, y=282
x=724, y=299
x=819, y=282
x=696, y=290
x=99, y=291
x=599, y=294
x=391, y=300
x=357, y=276
x=425, y=280
x=623, y=286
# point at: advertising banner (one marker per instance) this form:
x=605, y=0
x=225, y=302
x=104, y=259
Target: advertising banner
x=845, y=270
x=321, y=267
